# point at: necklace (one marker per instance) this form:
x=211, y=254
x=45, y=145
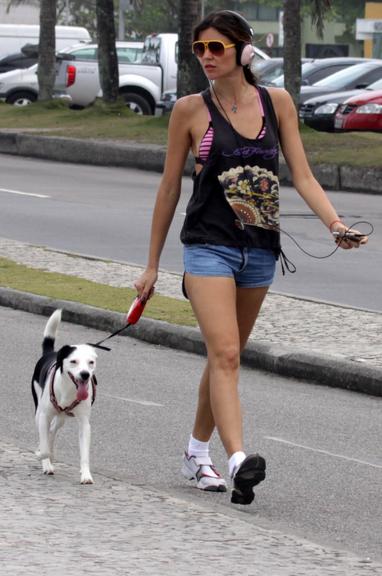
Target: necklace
x=234, y=107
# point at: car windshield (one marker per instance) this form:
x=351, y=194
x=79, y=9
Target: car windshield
x=341, y=79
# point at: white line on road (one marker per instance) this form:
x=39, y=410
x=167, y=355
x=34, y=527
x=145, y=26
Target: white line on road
x=142, y=402
x=23, y=193
x=322, y=452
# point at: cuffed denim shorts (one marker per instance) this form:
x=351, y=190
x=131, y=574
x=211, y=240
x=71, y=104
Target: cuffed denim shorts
x=250, y=267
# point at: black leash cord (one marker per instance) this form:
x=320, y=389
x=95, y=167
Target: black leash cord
x=340, y=239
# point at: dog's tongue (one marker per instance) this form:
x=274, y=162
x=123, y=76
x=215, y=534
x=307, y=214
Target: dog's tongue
x=82, y=391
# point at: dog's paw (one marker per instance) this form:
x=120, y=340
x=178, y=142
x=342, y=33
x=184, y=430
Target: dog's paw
x=86, y=478
x=47, y=467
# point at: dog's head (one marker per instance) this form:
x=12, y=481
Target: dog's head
x=79, y=364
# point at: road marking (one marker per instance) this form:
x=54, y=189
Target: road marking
x=142, y=402
x=323, y=452
x=23, y=193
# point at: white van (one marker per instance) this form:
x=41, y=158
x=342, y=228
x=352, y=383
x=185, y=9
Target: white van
x=14, y=36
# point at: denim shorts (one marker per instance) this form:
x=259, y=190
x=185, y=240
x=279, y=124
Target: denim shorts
x=250, y=267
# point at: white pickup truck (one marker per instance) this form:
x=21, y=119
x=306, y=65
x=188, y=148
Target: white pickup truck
x=141, y=83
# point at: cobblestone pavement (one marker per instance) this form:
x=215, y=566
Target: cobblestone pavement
x=54, y=526
x=306, y=325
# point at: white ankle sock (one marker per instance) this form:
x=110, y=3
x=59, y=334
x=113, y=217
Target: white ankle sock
x=235, y=461
x=197, y=448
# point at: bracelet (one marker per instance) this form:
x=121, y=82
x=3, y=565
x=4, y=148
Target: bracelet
x=334, y=222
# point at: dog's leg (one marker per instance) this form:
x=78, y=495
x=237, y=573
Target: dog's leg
x=56, y=424
x=43, y=424
x=84, y=438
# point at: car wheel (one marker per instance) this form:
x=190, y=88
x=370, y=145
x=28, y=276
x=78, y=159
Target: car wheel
x=22, y=98
x=137, y=103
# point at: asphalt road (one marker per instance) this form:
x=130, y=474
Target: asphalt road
x=322, y=445
x=106, y=212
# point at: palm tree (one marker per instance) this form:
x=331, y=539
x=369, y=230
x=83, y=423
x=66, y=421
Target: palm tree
x=46, y=71
x=190, y=75
x=107, y=52
x=292, y=40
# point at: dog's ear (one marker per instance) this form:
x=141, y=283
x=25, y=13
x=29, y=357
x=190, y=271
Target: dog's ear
x=63, y=353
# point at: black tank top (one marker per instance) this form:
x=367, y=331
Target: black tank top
x=235, y=199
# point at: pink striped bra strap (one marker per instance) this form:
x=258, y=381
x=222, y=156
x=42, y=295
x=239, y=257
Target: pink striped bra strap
x=206, y=141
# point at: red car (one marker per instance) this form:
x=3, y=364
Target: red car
x=363, y=112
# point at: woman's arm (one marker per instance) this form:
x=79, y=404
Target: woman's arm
x=167, y=198
x=302, y=176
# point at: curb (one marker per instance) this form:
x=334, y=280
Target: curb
x=317, y=368
x=151, y=157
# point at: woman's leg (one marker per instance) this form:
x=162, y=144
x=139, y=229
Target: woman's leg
x=226, y=316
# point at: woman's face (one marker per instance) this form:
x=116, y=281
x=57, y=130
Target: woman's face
x=216, y=65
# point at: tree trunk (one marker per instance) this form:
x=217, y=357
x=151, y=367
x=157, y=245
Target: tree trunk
x=292, y=48
x=107, y=53
x=191, y=77
x=46, y=71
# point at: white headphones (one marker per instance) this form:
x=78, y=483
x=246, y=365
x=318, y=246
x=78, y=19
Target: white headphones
x=245, y=54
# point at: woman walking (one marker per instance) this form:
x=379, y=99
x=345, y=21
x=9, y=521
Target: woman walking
x=231, y=231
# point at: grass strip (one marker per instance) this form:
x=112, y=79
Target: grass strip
x=117, y=122
x=65, y=287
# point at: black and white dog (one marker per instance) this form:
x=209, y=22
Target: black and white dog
x=63, y=385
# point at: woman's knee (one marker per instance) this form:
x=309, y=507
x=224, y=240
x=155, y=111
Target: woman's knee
x=226, y=357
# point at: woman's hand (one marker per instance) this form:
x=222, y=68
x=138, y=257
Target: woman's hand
x=145, y=283
x=339, y=230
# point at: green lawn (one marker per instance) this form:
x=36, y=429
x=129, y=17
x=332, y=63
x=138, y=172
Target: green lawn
x=117, y=122
x=65, y=287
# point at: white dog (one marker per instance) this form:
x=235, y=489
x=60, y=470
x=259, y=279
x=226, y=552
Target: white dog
x=63, y=385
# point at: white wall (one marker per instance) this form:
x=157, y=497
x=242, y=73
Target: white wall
x=26, y=14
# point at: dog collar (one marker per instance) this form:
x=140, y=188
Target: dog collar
x=53, y=399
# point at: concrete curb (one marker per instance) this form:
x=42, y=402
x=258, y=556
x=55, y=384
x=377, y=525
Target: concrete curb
x=151, y=157
x=319, y=368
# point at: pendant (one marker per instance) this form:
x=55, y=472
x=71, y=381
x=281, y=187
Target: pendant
x=234, y=108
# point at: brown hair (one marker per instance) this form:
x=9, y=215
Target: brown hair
x=235, y=27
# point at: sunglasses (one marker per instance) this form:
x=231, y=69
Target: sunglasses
x=216, y=47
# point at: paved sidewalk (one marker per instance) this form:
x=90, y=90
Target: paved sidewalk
x=53, y=526
x=284, y=320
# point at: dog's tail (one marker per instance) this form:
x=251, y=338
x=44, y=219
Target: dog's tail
x=50, y=332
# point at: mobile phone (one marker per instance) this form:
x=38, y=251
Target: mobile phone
x=354, y=236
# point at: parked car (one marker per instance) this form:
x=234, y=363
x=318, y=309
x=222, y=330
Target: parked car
x=358, y=76
x=320, y=112
x=268, y=70
x=20, y=86
x=141, y=83
x=312, y=72
x=20, y=60
x=361, y=112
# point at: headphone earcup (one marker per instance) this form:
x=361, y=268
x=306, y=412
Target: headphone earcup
x=247, y=54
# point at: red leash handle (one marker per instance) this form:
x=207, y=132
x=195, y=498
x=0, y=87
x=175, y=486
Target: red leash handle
x=135, y=311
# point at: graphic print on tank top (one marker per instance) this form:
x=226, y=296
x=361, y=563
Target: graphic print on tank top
x=253, y=194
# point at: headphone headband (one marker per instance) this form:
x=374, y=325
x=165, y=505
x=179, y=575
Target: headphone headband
x=241, y=18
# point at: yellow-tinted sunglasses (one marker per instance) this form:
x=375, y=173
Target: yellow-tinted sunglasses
x=216, y=47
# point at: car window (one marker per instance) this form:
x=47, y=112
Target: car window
x=342, y=78
x=324, y=72
x=85, y=53
x=371, y=76
x=129, y=55
x=375, y=85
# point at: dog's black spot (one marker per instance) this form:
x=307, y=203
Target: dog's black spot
x=63, y=353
